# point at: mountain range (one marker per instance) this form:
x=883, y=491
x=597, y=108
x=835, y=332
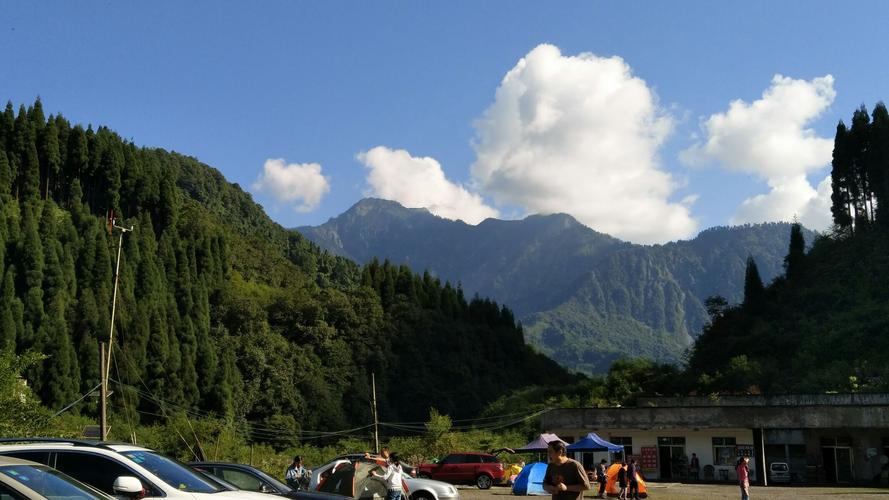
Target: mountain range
x=584, y=298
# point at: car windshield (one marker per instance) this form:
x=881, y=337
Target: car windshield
x=171, y=472
x=50, y=483
x=779, y=467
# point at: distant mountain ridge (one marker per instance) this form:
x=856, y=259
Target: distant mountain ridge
x=584, y=298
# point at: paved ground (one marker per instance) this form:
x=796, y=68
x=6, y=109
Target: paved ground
x=677, y=491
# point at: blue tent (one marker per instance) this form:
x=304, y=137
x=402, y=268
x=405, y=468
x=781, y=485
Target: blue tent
x=592, y=442
x=530, y=480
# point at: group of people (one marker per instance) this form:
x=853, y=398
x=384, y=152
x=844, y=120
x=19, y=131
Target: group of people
x=566, y=479
x=297, y=476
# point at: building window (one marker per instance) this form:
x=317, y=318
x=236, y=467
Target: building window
x=671, y=441
x=626, y=442
x=724, y=451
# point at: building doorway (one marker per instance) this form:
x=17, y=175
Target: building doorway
x=672, y=461
x=836, y=455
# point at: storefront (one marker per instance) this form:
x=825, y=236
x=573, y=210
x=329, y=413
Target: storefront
x=840, y=439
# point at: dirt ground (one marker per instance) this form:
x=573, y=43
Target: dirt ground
x=678, y=491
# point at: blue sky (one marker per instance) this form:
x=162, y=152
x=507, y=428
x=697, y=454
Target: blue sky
x=619, y=113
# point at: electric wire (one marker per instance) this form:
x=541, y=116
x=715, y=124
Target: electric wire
x=81, y=398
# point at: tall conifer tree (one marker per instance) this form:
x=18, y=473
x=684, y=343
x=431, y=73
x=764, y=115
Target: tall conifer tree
x=796, y=254
x=753, y=287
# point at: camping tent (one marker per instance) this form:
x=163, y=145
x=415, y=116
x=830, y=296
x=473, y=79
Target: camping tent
x=530, y=480
x=540, y=443
x=613, y=490
x=592, y=442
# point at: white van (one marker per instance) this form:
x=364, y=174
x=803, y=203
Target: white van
x=779, y=472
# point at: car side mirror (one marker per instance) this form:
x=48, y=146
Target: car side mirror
x=129, y=486
x=265, y=489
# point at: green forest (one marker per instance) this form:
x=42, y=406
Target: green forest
x=824, y=324
x=220, y=311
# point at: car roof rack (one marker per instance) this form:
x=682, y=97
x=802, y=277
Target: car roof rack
x=74, y=442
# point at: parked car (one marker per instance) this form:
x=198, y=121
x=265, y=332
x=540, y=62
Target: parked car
x=779, y=472
x=249, y=478
x=33, y=481
x=121, y=470
x=480, y=469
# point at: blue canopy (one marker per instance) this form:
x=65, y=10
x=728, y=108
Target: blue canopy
x=592, y=442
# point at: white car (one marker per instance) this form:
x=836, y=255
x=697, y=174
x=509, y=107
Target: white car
x=21, y=479
x=418, y=489
x=122, y=470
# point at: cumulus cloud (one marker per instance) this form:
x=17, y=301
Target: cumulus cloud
x=421, y=182
x=299, y=183
x=788, y=199
x=580, y=135
x=771, y=138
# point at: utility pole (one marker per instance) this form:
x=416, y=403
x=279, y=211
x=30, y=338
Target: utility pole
x=103, y=396
x=106, y=360
x=373, y=386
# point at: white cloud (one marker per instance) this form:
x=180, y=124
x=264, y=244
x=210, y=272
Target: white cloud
x=580, y=135
x=771, y=139
x=791, y=198
x=420, y=182
x=294, y=182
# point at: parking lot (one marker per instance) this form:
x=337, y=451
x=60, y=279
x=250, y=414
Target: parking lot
x=679, y=491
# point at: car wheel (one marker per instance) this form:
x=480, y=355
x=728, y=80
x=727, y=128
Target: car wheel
x=422, y=495
x=484, y=482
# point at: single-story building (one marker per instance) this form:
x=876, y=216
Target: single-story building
x=825, y=438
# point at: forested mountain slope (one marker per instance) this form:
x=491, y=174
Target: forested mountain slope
x=220, y=310
x=584, y=298
x=824, y=326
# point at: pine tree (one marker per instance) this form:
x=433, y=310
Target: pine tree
x=60, y=381
x=51, y=158
x=841, y=175
x=6, y=177
x=7, y=127
x=10, y=310
x=754, y=290
x=30, y=174
x=77, y=162
x=859, y=140
x=878, y=162
x=796, y=254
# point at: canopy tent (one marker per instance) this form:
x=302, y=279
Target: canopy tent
x=592, y=442
x=530, y=480
x=540, y=444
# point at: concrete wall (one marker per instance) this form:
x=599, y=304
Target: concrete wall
x=719, y=417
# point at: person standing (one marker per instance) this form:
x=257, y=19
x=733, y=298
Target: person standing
x=296, y=475
x=743, y=470
x=622, y=481
x=601, y=477
x=392, y=477
x=565, y=478
x=694, y=466
x=631, y=479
